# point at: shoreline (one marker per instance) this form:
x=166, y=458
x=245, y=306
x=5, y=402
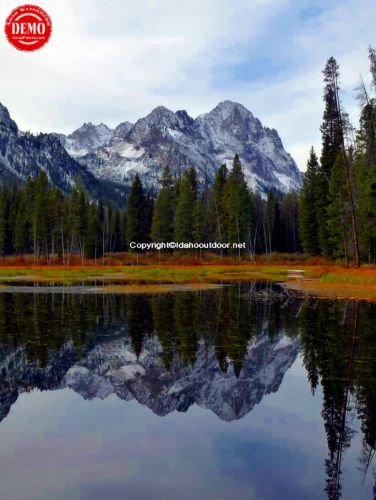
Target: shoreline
x=329, y=281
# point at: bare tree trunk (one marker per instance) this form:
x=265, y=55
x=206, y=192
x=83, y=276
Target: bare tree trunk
x=348, y=178
x=219, y=225
x=353, y=214
x=103, y=246
x=62, y=243
x=53, y=249
x=344, y=240
x=35, y=244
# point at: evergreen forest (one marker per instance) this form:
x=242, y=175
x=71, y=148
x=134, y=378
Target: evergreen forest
x=333, y=216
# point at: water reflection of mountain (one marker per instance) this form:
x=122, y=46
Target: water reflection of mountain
x=217, y=350
x=114, y=369
x=223, y=350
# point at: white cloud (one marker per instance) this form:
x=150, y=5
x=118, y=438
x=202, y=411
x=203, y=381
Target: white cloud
x=109, y=61
x=116, y=61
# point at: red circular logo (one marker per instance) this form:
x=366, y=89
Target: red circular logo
x=28, y=27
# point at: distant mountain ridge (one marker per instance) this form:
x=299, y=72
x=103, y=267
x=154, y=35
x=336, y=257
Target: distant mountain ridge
x=164, y=137
x=106, y=160
x=24, y=155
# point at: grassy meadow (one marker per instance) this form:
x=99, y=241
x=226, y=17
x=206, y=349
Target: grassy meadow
x=152, y=273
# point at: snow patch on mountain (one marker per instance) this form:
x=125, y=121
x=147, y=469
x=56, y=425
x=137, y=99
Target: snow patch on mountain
x=87, y=138
x=164, y=137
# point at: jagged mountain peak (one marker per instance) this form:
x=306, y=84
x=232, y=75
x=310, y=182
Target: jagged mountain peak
x=227, y=108
x=159, y=116
x=160, y=111
x=156, y=128
x=175, y=138
x=122, y=127
x=233, y=118
x=87, y=138
x=6, y=120
x=121, y=132
x=90, y=126
x=84, y=126
x=24, y=155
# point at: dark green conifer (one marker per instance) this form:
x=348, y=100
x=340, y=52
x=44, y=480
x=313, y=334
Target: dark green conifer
x=238, y=205
x=308, y=219
x=217, y=206
x=136, y=213
x=162, y=229
x=184, y=208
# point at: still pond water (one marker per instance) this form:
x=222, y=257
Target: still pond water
x=233, y=394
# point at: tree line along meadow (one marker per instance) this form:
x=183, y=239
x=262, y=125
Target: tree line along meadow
x=38, y=219
x=333, y=216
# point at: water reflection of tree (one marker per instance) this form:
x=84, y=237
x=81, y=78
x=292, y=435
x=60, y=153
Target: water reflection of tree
x=139, y=320
x=339, y=351
x=43, y=323
x=164, y=325
x=227, y=319
x=365, y=386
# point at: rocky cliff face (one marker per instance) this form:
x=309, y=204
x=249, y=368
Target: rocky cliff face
x=24, y=155
x=164, y=137
x=113, y=368
x=87, y=138
x=97, y=153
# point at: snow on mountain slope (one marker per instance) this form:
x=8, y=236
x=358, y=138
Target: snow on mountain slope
x=120, y=132
x=24, y=155
x=164, y=137
x=96, y=152
x=87, y=138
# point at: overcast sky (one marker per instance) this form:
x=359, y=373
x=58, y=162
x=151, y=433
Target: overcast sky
x=115, y=60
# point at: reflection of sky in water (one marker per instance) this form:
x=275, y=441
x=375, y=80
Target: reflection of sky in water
x=57, y=445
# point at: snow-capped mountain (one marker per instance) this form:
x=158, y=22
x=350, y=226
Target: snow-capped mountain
x=24, y=155
x=87, y=138
x=97, y=153
x=164, y=137
x=113, y=368
x=120, y=133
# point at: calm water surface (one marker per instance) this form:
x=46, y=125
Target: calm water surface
x=225, y=394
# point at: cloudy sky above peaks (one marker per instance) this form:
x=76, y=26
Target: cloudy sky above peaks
x=117, y=60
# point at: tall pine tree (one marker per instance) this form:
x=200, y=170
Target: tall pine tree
x=162, y=229
x=136, y=213
x=185, y=207
x=332, y=140
x=238, y=205
x=218, y=200
x=308, y=217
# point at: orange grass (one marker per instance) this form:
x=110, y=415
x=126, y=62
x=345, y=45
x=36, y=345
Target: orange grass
x=155, y=258
x=335, y=290
x=321, y=278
